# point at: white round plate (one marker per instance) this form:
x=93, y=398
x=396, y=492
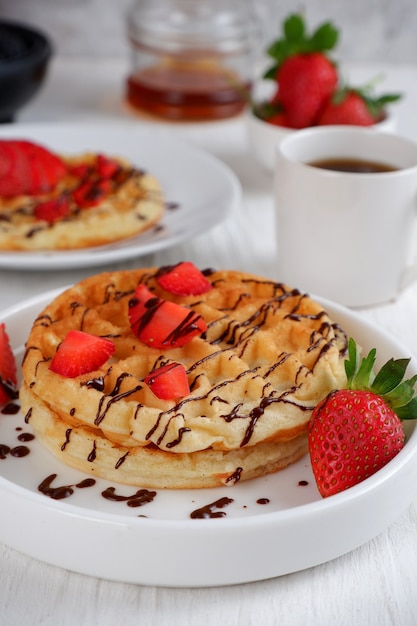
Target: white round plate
x=270, y=526
x=199, y=189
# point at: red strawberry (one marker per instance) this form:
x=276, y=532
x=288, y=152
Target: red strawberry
x=81, y=170
x=80, y=353
x=160, y=323
x=306, y=81
x=280, y=119
x=139, y=304
x=91, y=193
x=52, y=210
x=355, y=107
x=302, y=71
x=8, y=376
x=28, y=168
x=183, y=279
x=169, y=381
x=106, y=168
x=352, y=110
x=354, y=432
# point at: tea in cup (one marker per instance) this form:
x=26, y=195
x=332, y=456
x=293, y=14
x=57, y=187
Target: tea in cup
x=346, y=200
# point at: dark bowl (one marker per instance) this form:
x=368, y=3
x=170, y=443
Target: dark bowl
x=24, y=57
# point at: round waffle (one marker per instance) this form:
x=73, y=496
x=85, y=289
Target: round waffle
x=268, y=356
x=132, y=204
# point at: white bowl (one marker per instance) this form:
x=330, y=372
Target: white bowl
x=263, y=137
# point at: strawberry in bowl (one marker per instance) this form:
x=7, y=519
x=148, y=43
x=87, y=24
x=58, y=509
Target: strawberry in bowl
x=306, y=89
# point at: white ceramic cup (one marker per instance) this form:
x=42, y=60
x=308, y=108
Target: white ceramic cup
x=346, y=236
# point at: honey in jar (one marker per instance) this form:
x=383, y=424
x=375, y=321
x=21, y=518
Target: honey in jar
x=191, y=59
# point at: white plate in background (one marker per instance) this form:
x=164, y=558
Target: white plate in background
x=200, y=190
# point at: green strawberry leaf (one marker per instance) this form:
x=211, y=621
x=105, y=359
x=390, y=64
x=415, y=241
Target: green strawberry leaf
x=388, y=383
x=325, y=37
x=265, y=110
x=352, y=363
x=359, y=373
x=296, y=40
x=270, y=73
x=387, y=98
x=408, y=411
x=401, y=395
x=294, y=28
x=277, y=50
x=389, y=376
x=364, y=376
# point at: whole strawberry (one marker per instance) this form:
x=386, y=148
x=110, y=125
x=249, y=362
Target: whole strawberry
x=354, y=432
x=305, y=76
x=306, y=82
x=355, y=107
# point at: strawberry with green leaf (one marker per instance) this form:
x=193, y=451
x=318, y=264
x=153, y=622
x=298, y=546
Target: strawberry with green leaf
x=357, y=107
x=307, y=82
x=355, y=431
x=295, y=40
x=305, y=75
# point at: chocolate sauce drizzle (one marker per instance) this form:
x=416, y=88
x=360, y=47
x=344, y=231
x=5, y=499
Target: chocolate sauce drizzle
x=114, y=396
x=235, y=477
x=18, y=451
x=9, y=388
x=62, y=491
x=139, y=498
x=210, y=510
x=10, y=409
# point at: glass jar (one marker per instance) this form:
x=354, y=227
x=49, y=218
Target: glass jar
x=191, y=59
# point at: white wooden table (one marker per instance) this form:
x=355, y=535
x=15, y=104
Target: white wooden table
x=372, y=586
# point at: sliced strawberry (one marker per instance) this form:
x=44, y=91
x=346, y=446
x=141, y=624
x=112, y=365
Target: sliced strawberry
x=91, y=193
x=8, y=376
x=15, y=173
x=28, y=168
x=52, y=210
x=183, y=279
x=169, y=381
x=106, y=168
x=82, y=170
x=80, y=353
x=160, y=323
x=138, y=304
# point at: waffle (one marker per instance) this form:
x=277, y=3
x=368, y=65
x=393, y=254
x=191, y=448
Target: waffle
x=134, y=204
x=268, y=356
